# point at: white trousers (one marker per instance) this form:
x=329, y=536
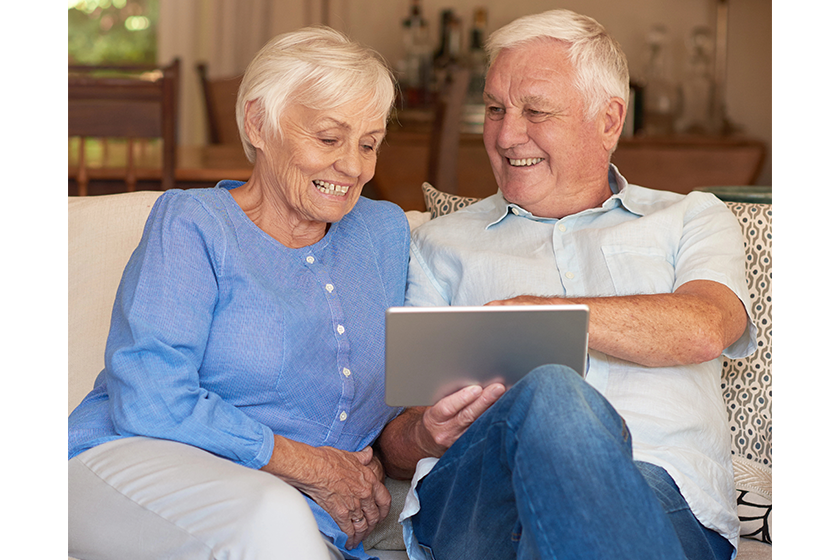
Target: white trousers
x=142, y=498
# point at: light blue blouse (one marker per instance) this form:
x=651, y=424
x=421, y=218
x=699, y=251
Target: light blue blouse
x=221, y=336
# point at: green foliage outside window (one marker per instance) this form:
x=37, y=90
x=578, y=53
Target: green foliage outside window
x=112, y=31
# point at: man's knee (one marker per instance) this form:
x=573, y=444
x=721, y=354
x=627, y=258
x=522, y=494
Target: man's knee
x=559, y=399
x=550, y=383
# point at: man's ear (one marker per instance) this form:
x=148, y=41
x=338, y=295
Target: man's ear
x=613, y=122
x=254, y=121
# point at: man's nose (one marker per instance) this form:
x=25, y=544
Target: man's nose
x=513, y=131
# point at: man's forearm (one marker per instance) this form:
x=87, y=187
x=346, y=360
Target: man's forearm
x=693, y=325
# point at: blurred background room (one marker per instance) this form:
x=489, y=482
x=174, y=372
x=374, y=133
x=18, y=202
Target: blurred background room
x=700, y=77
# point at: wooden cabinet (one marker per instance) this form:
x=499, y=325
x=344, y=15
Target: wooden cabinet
x=684, y=163
x=676, y=163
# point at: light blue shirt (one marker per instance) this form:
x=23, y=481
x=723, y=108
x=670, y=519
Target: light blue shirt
x=222, y=337
x=639, y=241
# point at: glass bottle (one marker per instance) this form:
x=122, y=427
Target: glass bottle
x=661, y=93
x=698, y=85
x=416, y=68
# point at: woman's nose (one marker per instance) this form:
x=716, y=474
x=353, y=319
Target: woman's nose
x=350, y=162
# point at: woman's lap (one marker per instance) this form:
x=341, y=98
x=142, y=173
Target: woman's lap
x=150, y=498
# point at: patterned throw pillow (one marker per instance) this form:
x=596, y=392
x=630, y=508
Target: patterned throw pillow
x=441, y=203
x=747, y=383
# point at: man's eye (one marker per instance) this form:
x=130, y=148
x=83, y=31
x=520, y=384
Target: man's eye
x=536, y=116
x=494, y=112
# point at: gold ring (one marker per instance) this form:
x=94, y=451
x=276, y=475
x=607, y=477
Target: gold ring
x=357, y=519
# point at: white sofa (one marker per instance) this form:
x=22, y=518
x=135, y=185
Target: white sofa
x=104, y=230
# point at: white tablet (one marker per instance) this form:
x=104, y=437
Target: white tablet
x=431, y=352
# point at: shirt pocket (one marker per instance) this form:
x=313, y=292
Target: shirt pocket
x=639, y=270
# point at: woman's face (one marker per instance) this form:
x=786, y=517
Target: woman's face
x=319, y=163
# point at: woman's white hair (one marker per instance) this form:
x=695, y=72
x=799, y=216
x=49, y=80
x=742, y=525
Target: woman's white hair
x=317, y=67
x=600, y=64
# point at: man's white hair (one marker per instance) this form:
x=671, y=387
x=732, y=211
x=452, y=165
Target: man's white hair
x=600, y=64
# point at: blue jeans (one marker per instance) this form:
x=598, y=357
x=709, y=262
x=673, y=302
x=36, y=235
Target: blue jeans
x=547, y=472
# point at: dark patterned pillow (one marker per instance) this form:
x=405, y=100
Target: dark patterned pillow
x=441, y=203
x=747, y=382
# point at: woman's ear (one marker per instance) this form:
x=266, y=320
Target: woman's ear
x=254, y=120
x=613, y=122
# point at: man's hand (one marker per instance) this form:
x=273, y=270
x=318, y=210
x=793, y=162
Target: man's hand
x=421, y=432
x=529, y=300
x=443, y=423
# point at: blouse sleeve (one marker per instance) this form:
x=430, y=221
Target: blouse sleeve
x=159, y=330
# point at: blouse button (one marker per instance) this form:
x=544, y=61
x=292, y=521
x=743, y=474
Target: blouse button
x=346, y=372
x=310, y=259
x=342, y=416
x=340, y=329
x=329, y=288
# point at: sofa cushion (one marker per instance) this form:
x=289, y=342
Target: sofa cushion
x=746, y=383
x=103, y=231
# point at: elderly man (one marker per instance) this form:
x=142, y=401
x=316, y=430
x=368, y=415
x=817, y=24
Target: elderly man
x=634, y=461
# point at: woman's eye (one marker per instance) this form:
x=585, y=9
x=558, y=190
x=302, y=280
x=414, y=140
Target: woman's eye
x=329, y=141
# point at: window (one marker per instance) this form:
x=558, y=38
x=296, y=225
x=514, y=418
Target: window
x=112, y=31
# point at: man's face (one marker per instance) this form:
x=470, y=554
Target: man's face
x=546, y=155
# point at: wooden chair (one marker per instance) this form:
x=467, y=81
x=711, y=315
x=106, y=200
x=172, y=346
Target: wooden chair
x=446, y=131
x=220, y=105
x=124, y=102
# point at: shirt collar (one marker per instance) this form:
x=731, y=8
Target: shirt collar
x=623, y=195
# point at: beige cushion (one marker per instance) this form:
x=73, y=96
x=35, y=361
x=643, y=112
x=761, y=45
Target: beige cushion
x=102, y=233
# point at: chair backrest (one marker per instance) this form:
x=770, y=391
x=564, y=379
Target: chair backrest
x=125, y=102
x=220, y=106
x=446, y=131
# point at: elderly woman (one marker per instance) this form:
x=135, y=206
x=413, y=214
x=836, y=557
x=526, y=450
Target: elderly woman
x=243, y=380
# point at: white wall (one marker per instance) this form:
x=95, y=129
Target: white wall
x=195, y=27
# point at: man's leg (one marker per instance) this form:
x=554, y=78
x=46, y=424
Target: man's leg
x=698, y=542
x=141, y=498
x=548, y=473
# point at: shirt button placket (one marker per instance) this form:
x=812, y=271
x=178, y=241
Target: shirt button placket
x=560, y=245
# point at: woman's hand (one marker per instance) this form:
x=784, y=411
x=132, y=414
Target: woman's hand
x=348, y=485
